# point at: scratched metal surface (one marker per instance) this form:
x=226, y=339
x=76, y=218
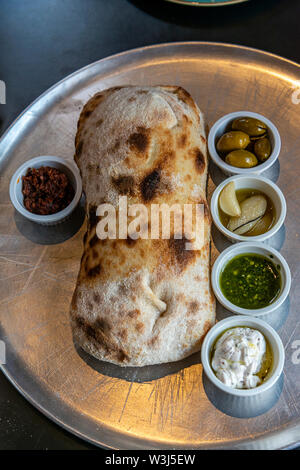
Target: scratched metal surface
x=161, y=406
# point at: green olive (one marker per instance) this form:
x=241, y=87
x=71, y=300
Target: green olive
x=254, y=138
x=250, y=147
x=241, y=159
x=250, y=126
x=262, y=149
x=233, y=140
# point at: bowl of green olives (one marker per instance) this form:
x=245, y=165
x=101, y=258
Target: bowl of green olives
x=244, y=142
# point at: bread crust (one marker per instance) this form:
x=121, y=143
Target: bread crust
x=145, y=301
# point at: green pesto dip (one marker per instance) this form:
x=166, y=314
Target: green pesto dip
x=250, y=281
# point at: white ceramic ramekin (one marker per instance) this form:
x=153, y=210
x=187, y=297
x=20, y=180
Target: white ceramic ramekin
x=271, y=336
x=261, y=249
x=221, y=126
x=259, y=183
x=66, y=166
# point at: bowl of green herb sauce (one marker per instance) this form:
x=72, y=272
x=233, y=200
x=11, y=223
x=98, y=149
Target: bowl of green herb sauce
x=251, y=278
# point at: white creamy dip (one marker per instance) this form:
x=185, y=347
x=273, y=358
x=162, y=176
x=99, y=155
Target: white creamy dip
x=238, y=356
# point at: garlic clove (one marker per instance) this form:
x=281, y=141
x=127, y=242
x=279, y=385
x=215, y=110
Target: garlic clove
x=252, y=210
x=228, y=201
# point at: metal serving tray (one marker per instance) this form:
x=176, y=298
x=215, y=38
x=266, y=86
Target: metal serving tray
x=207, y=3
x=158, y=407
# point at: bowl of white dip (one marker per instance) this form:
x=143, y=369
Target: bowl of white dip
x=242, y=356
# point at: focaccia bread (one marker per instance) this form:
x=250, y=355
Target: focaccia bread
x=144, y=301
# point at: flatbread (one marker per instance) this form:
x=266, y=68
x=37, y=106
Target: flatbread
x=145, y=301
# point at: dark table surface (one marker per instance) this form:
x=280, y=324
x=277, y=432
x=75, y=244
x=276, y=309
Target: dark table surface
x=42, y=41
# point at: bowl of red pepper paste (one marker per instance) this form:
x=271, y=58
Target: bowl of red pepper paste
x=46, y=189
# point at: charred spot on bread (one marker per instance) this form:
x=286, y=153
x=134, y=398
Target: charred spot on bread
x=130, y=241
x=140, y=327
x=122, y=356
x=93, y=218
x=207, y=215
x=149, y=184
x=99, y=333
x=116, y=146
x=90, y=331
x=153, y=341
x=80, y=322
x=123, y=334
x=74, y=300
x=96, y=297
x=101, y=324
x=124, y=184
x=87, y=113
x=185, y=97
x=134, y=313
x=115, y=88
x=98, y=96
x=193, y=306
x=79, y=148
x=179, y=253
x=199, y=160
x=139, y=140
x=88, y=109
x=206, y=328
x=182, y=141
x=94, y=272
